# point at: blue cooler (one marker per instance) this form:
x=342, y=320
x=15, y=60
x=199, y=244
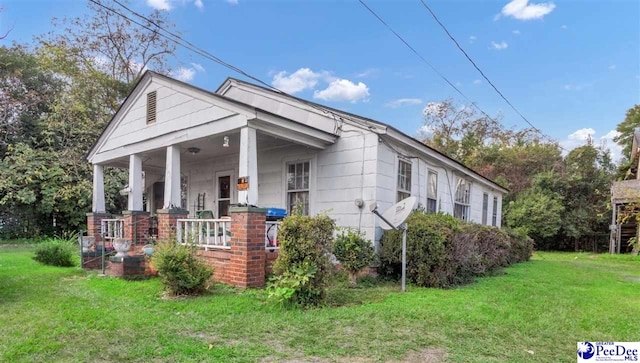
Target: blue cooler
x=276, y=214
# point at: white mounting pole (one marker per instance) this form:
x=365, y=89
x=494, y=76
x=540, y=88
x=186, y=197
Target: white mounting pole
x=404, y=257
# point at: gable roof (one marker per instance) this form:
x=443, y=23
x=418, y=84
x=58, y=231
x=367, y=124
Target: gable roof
x=366, y=123
x=146, y=79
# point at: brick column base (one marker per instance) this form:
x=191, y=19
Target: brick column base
x=136, y=226
x=167, y=222
x=94, y=221
x=247, y=263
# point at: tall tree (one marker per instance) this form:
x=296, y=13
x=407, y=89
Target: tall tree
x=626, y=128
x=91, y=65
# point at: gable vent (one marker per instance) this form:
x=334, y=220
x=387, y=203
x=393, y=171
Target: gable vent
x=151, y=107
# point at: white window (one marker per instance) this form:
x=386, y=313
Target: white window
x=432, y=191
x=485, y=208
x=462, y=206
x=494, y=217
x=298, y=187
x=404, y=180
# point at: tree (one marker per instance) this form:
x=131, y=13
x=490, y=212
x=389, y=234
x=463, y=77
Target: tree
x=27, y=92
x=626, y=128
x=537, y=213
x=56, y=100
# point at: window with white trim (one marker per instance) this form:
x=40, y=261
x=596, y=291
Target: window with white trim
x=432, y=191
x=494, y=217
x=485, y=208
x=461, y=206
x=404, y=180
x=298, y=187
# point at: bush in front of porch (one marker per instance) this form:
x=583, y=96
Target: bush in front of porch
x=180, y=271
x=302, y=268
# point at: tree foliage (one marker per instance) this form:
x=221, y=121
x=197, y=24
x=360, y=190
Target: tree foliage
x=560, y=201
x=55, y=99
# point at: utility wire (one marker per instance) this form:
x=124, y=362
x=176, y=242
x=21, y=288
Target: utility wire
x=478, y=68
x=473, y=104
x=190, y=46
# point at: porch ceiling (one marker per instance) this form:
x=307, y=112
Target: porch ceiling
x=210, y=147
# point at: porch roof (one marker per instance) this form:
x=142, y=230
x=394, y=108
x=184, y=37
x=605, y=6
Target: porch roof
x=224, y=115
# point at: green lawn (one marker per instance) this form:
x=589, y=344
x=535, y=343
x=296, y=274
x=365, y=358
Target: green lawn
x=536, y=311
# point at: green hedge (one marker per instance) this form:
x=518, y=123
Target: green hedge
x=57, y=252
x=443, y=251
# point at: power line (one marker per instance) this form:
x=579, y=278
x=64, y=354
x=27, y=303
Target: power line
x=473, y=104
x=190, y=46
x=424, y=59
x=478, y=68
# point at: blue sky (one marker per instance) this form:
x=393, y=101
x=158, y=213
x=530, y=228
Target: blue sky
x=571, y=67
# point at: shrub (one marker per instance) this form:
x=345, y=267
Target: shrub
x=354, y=253
x=491, y=244
x=304, y=244
x=56, y=252
x=521, y=246
x=179, y=269
x=426, y=248
x=444, y=252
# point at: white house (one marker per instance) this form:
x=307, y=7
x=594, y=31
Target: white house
x=186, y=147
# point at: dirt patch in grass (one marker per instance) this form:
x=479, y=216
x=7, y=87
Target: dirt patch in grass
x=428, y=355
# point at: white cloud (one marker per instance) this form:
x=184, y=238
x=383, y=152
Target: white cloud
x=159, y=4
x=369, y=72
x=402, y=102
x=184, y=74
x=579, y=138
x=576, y=87
x=198, y=67
x=515, y=32
x=612, y=67
x=300, y=80
x=425, y=131
x=198, y=4
x=499, y=46
x=343, y=90
x=232, y=2
x=477, y=81
x=522, y=10
x=472, y=38
x=564, y=27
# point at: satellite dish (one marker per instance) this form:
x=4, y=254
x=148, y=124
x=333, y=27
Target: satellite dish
x=398, y=213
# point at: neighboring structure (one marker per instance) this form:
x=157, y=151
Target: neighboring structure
x=625, y=201
x=190, y=150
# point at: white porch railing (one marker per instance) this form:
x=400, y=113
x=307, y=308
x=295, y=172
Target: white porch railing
x=271, y=235
x=207, y=233
x=111, y=229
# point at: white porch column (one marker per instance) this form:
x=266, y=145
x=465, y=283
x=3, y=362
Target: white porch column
x=248, y=166
x=172, y=197
x=98, y=189
x=135, y=183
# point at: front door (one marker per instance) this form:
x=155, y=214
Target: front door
x=223, y=193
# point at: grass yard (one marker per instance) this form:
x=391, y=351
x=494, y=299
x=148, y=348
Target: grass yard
x=535, y=312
